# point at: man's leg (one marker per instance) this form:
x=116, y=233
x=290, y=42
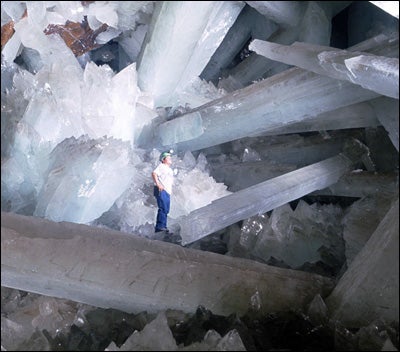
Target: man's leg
x=163, y=203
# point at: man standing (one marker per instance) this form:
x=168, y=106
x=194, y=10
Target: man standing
x=163, y=177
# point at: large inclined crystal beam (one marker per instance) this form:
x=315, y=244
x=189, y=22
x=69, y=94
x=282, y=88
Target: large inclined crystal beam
x=377, y=73
x=183, y=35
x=111, y=269
x=286, y=98
x=257, y=66
x=270, y=104
x=369, y=289
x=262, y=197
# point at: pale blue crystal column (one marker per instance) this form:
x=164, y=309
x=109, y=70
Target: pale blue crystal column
x=262, y=197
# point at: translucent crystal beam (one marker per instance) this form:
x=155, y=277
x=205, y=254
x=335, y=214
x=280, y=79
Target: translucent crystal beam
x=272, y=103
x=363, y=294
x=262, y=197
x=269, y=104
x=378, y=73
x=111, y=269
x=182, y=37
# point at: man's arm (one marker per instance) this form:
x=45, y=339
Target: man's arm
x=156, y=181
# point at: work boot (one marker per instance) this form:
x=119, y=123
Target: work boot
x=162, y=230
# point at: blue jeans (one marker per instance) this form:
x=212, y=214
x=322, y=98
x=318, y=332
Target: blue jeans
x=163, y=203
